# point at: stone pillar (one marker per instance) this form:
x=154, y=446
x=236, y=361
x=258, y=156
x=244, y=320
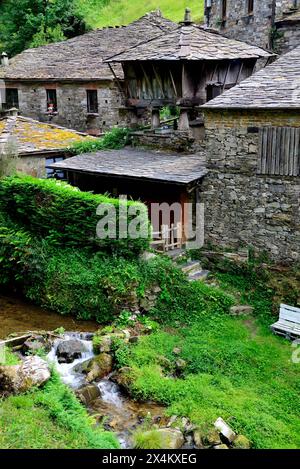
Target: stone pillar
x=155, y=119
x=183, y=123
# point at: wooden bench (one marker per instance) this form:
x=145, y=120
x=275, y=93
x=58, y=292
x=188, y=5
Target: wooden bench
x=289, y=322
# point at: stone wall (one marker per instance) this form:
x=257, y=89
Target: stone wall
x=240, y=25
x=287, y=37
x=257, y=28
x=242, y=208
x=176, y=141
x=72, y=105
x=33, y=165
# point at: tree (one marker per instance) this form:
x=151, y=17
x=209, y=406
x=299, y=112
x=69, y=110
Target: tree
x=32, y=23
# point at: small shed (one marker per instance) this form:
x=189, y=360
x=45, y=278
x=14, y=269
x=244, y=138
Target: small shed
x=152, y=177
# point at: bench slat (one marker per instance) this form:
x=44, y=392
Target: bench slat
x=289, y=313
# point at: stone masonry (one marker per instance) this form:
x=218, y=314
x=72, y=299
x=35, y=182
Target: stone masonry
x=72, y=104
x=243, y=208
x=258, y=26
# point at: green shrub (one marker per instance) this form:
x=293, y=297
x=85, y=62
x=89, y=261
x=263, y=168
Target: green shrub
x=65, y=216
x=151, y=439
x=114, y=140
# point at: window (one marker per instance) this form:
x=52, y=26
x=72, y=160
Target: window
x=12, y=98
x=54, y=172
x=279, y=151
x=51, y=101
x=92, y=101
x=250, y=7
x=224, y=10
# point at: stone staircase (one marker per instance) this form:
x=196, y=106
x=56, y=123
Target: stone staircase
x=192, y=269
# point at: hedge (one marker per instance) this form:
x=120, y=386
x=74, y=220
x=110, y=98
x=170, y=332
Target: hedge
x=64, y=215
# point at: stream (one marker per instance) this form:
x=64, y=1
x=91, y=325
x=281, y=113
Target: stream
x=112, y=409
x=18, y=316
x=116, y=411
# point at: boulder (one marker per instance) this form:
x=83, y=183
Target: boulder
x=123, y=377
x=220, y=447
x=177, y=350
x=212, y=438
x=198, y=439
x=99, y=367
x=241, y=310
x=69, y=350
x=241, y=442
x=88, y=393
x=225, y=430
x=33, y=344
x=181, y=364
x=172, y=438
x=32, y=372
x=9, y=379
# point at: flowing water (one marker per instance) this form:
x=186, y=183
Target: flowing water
x=113, y=409
x=116, y=411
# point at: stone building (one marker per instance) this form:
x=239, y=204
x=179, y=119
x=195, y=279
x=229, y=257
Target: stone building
x=186, y=68
x=272, y=24
x=36, y=145
x=68, y=83
x=252, y=191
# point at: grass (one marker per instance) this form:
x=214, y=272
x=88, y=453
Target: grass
x=100, y=13
x=50, y=418
x=235, y=369
x=7, y=358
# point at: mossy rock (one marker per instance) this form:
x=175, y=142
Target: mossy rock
x=241, y=442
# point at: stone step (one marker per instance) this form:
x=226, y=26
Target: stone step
x=176, y=254
x=200, y=275
x=191, y=267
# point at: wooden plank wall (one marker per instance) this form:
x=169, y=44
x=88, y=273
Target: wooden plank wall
x=279, y=151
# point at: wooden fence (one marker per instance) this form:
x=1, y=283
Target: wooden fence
x=168, y=238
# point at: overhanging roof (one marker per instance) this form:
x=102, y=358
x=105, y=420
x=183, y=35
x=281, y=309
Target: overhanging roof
x=276, y=86
x=190, y=43
x=82, y=58
x=138, y=164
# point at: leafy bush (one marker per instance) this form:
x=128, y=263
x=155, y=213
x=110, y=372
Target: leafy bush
x=64, y=215
x=114, y=140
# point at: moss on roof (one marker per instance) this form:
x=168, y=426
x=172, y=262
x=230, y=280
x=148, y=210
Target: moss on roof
x=33, y=136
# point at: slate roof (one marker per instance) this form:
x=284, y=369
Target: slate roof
x=81, y=58
x=276, y=86
x=35, y=137
x=190, y=42
x=138, y=164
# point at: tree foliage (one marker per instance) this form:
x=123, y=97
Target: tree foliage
x=32, y=23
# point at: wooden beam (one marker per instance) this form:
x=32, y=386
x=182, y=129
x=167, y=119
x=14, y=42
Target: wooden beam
x=240, y=72
x=159, y=80
x=147, y=80
x=173, y=84
x=117, y=80
x=226, y=75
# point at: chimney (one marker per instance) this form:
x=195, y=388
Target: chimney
x=187, y=17
x=4, y=59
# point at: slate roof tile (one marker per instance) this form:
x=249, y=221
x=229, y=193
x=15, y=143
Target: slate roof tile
x=81, y=58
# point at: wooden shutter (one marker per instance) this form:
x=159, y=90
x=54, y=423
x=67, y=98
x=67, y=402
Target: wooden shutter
x=279, y=151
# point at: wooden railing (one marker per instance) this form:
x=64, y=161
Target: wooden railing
x=168, y=238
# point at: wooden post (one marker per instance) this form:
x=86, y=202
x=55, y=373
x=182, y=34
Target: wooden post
x=155, y=120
